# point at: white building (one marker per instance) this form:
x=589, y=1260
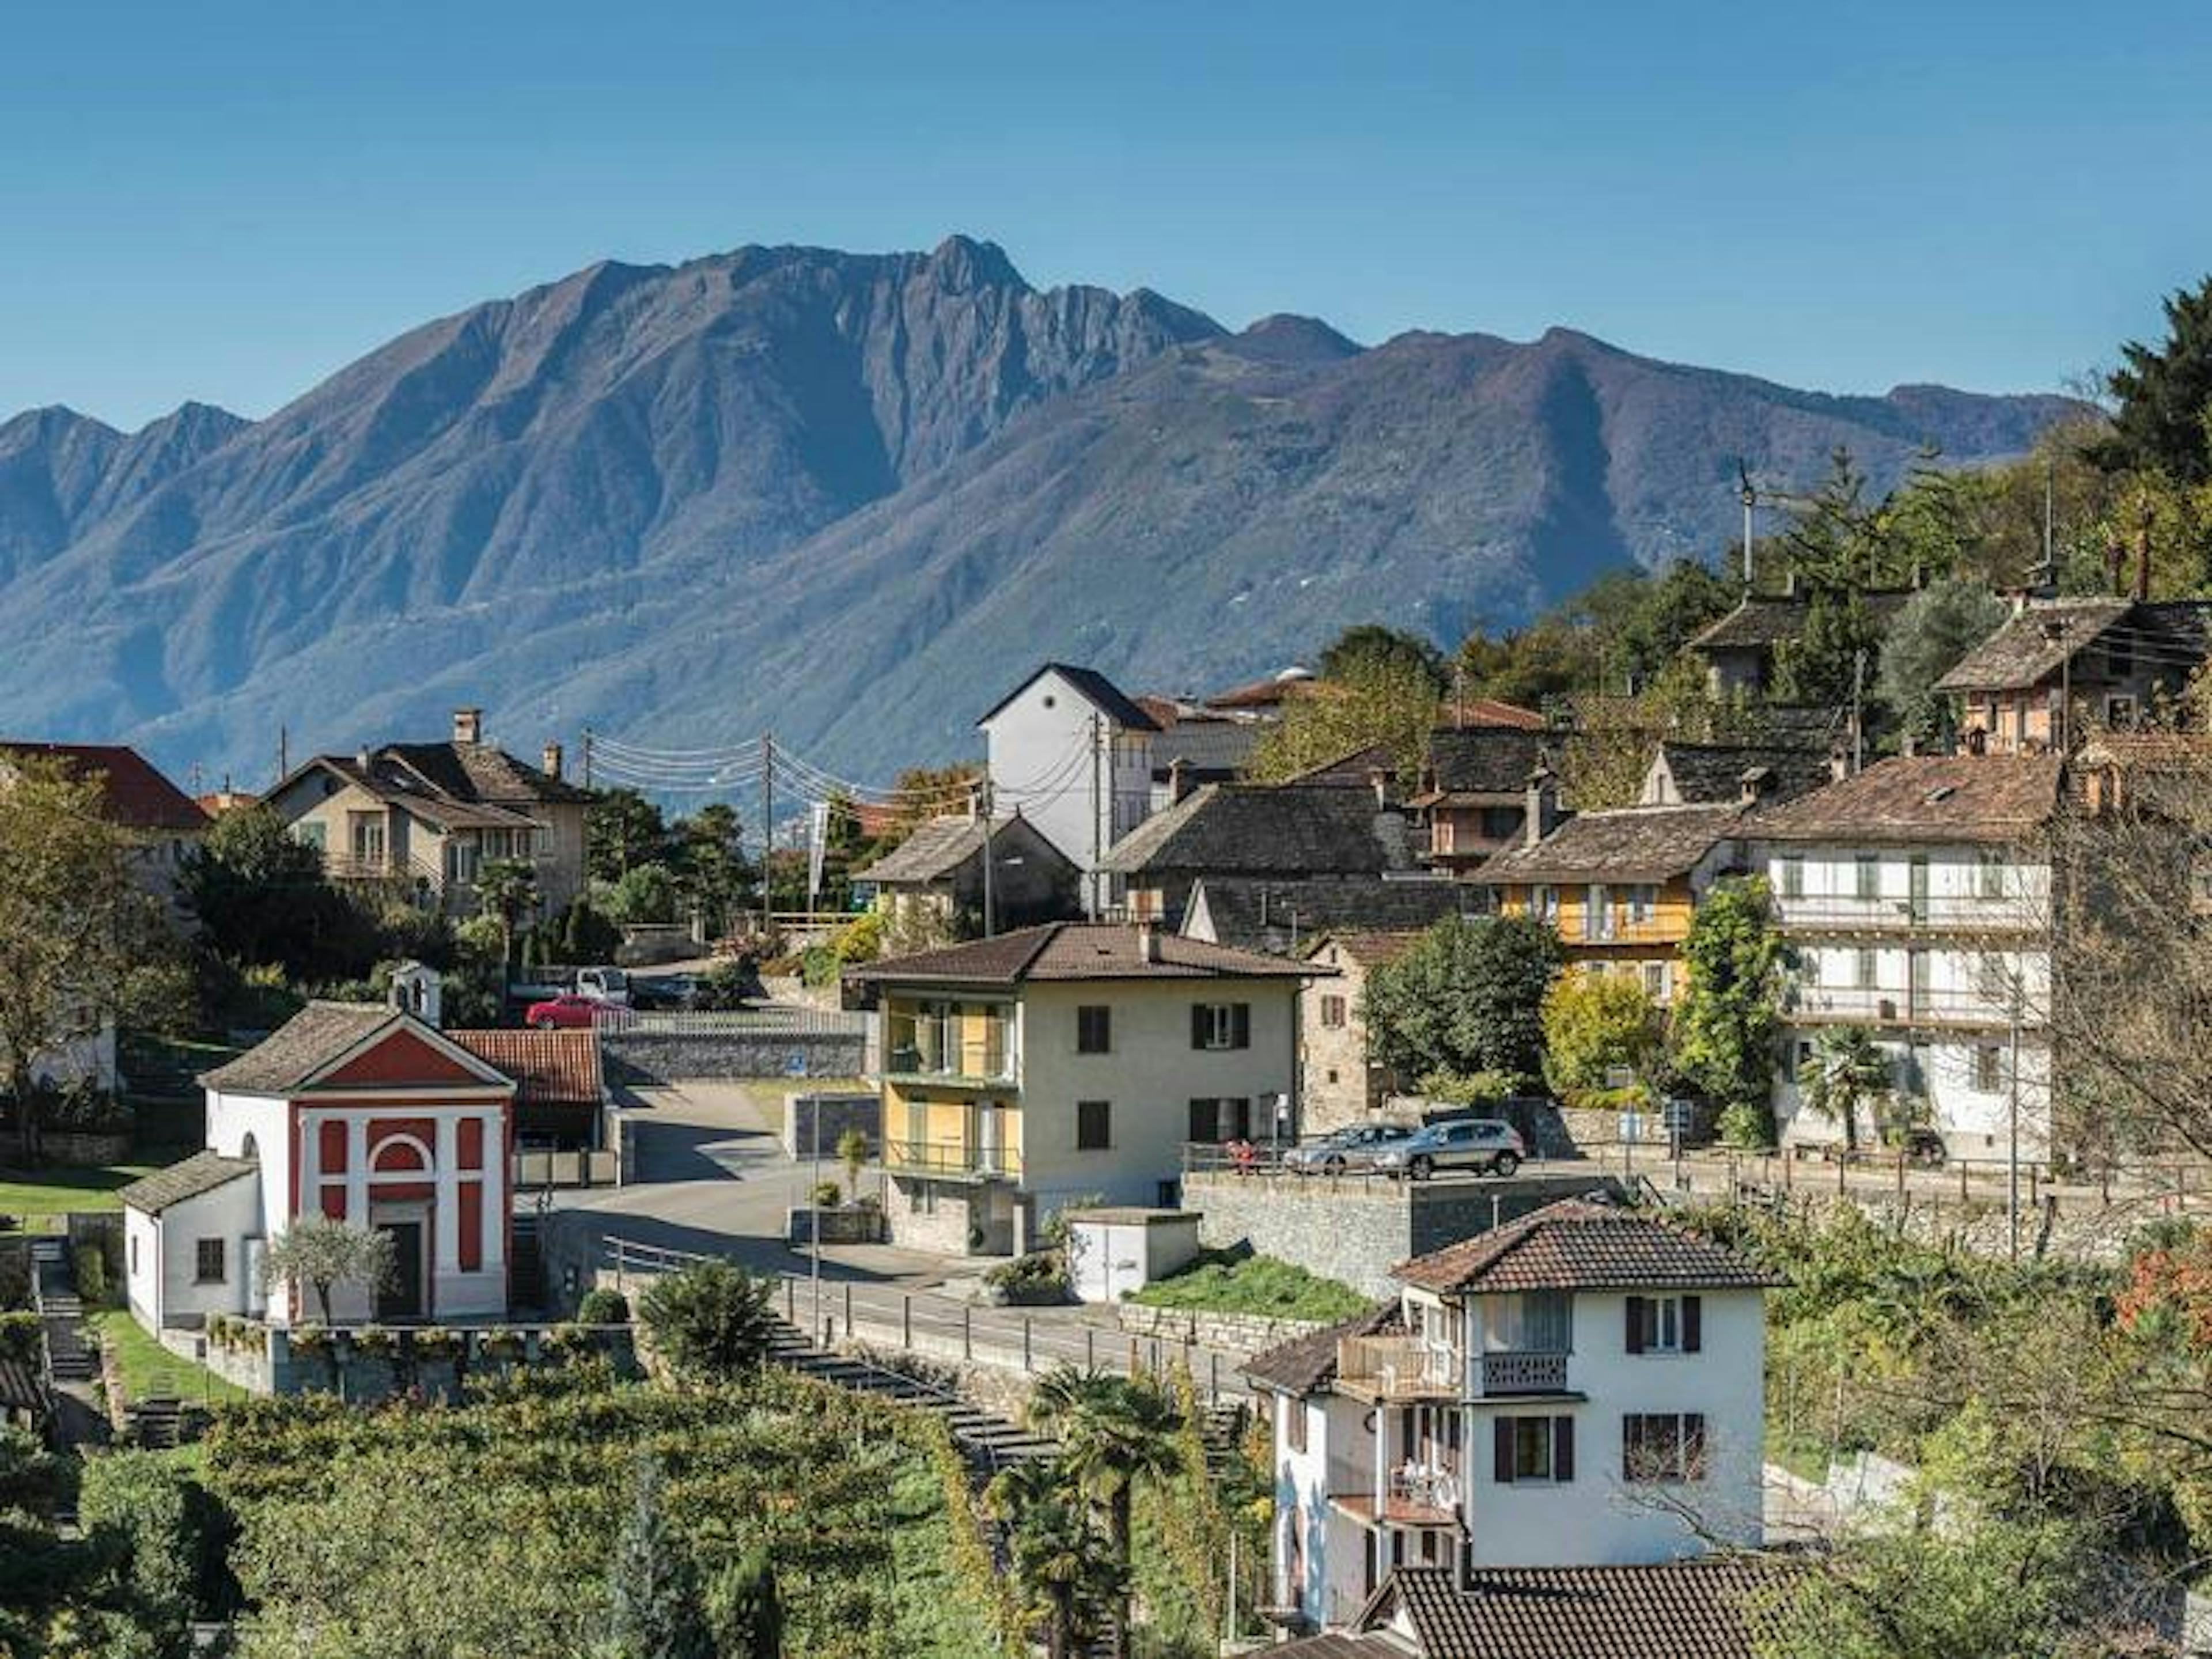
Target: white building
x=1917, y=896
x=351, y=1111
x=1583, y=1386
x=1075, y=755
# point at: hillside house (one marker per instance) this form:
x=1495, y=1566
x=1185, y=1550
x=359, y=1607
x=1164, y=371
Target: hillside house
x=1510, y=1407
x=1473, y=796
x=1715, y=774
x=560, y=1087
x=1075, y=755
x=1742, y=650
x=358, y=1113
x=161, y=823
x=1285, y=918
x=1069, y=1061
x=1290, y=832
x=423, y=818
x=932, y=883
x=1917, y=896
x=2059, y=669
x=1342, y=1084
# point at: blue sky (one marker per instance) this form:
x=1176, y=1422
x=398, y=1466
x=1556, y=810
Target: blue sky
x=228, y=201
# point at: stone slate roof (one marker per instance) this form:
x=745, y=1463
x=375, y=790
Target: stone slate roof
x=1624, y=843
x=285, y=1059
x=1769, y=619
x=1073, y=950
x=1370, y=950
x=1481, y=760
x=1712, y=773
x=1307, y=1363
x=1103, y=693
x=482, y=772
x=1923, y=797
x=1255, y=914
x=1218, y=747
x=132, y=792
x=1253, y=829
x=203, y=1172
x=2032, y=644
x=1708, y=1607
x=389, y=778
x=1578, y=1245
x=939, y=846
x=550, y=1068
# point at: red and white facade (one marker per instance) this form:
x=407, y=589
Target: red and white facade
x=395, y=1128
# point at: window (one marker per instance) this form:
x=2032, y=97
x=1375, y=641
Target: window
x=2120, y=713
x=1094, y=1124
x=134, y=1258
x=1665, y=1324
x=1532, y=1321
x=1995, y=982
x=1992, y=877
x=1663, y=1446
x=1869, y=875
x=1544, y=904
x=1294, y=1424
x=1866, y=965
x=1597, y=912
x=1642, y=900
x=207, y=1261
x=1221, y=1025
x=1808, y=966
x=1094, y=1030
x=1988, y=1068
x=1333, y=1012
x=1527, y=1450
x=310, y=833
x=1793, y=875
x=1655, y=980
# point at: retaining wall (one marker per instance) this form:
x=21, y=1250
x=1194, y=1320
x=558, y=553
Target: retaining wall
x=1242, y=1334
x=1357, y=1230
x=682, y=1057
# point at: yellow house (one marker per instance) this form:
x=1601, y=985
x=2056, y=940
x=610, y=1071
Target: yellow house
x=1070, y=1062
x=1620, y=886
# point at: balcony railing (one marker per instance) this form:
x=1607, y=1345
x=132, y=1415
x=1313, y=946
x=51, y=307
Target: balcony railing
x=1872, y=1006
x=1950, y=913
x=930, y=1048
x=1396, y=1368
x=951, y=1159
x=1516, y=1372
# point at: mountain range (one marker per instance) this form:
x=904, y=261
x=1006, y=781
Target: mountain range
x=853, y=499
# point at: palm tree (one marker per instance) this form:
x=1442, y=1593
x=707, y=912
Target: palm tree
x=1114, y=1432
x=507, y=889
x=1848, y=1070
x=1065, y=1580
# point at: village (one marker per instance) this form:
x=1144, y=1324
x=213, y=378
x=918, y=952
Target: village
x=1427, y=1167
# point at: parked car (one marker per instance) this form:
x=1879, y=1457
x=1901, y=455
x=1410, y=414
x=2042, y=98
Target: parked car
x=568, y=1012
x=1352, y=1148
x=662, y=991
x=1484, y=1144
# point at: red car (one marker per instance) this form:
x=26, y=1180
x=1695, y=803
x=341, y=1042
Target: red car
x=568, y=1013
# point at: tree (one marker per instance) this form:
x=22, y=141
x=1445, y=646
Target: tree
x=711, y=871
x=744, y=1608
x=1594, y=1023
x=622, y=829
x=586, y=935
x=1370, y=647
x=1847, y=1074
x=1731, y=1010
x=260, y=897
x=645, y=892
x=711, y=1321
x=1466, y=996
x=1066, y=1580
x=507, y=890
x=1833, y=660
x=323, y=1255
x=162, y=1533
x=2163, y=396
x=655, y=1608
x=852, y=1154
x=1936, y=628
x=1385, y=703
x=81, y=942
x=1114, y=1432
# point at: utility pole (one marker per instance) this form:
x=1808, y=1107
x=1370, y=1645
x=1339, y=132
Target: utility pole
x=2012, y=1156
x=984, y=816
x=1096, y=850
x=283, y=753
x=1859, y=724
x=587, y=757
x=768, y=822
x=1750, y=500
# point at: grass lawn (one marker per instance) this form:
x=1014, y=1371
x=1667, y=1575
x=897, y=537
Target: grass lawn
x=59, y=1188
x=149, y=1369
x=1220, y=1283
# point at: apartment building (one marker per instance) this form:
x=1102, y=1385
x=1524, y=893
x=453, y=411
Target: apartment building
x=1581, y=1388
x=1917, y=896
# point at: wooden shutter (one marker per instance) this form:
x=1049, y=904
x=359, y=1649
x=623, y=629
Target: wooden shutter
x=1199, y=1025
x=1563, y=1448
x=1240, y=1025
x=1205, y=1121
x=1635, y=1306
x=1501, y=1438
x=1693, y=1323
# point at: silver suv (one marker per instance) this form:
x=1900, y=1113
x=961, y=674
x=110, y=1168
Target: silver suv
x=1353, y=1148
x=1484, y=1144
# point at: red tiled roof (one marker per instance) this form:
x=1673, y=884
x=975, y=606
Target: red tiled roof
x=1576, y=1245
x=549, y=1067
x=1708, y=1607
x=133, y=793
x=1306, y=1363
x=1488, y=711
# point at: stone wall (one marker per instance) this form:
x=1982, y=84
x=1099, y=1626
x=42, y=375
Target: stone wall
x=1242, y=1334
x=2081, y=1232
x=85, y=1146
x=1355, y=1230
x=681, y=1057
x=944, y=1232
x=836, y=1115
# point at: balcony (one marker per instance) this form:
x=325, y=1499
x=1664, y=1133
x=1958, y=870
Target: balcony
x=1894, y=917
x=1521, y=1373
x=949, y=1050
x=1871, y=1006
x=1416, y=1495
x=1396, y=1368
x=952, y=1160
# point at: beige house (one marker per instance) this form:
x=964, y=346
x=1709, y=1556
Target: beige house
x=1066, y=1064
x=934, y=883
x=1342, y=1085
x=427, y=817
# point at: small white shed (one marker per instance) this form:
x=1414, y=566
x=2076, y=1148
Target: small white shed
x=1113, y=1251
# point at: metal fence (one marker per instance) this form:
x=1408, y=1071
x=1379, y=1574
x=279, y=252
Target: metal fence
x=776, y=1019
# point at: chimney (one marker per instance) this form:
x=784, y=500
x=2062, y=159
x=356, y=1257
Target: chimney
x=1148, y=942
x=1541, y=810
x=1756, y=782
x=1379, y=781
x=361, y=758
x=551, y=762
x=468, y=725
x=1178, y=779
x=1839, y=763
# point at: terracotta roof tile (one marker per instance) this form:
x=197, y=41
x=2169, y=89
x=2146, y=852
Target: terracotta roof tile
x=1578, y=1245
x=1308, y=1363
x=1708, y=1607
x=133, y=793
x=549, y=1068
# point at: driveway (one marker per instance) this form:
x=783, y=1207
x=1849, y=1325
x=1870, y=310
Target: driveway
x=708, y=1174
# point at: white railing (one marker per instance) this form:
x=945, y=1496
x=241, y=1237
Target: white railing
x=1523, y=1373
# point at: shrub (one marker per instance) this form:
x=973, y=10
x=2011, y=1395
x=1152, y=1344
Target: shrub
x=824, y=1194
x=501, y=1344
x=1467, y=1088
x=602, y=1306
x=91, y=1275
x=1037, y=1277
x=710, y=1322
x=434, y=1342
x=375, y=1341
x=1218, y=1282
x=19, y=1338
